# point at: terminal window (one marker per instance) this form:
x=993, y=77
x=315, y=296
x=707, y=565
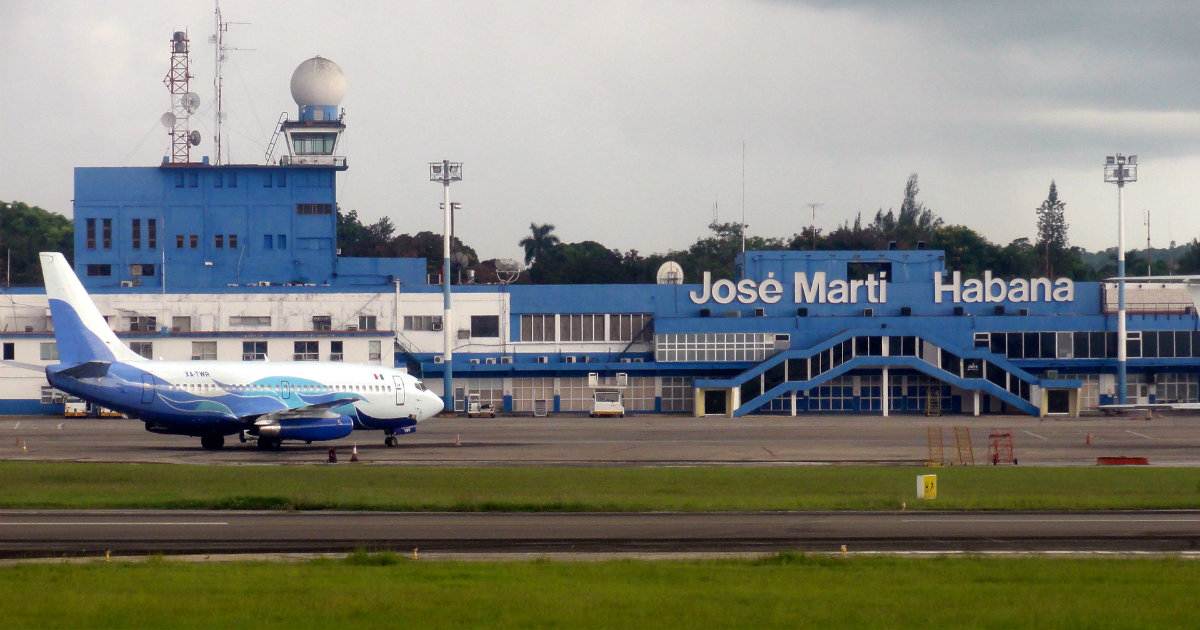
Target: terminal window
x=314, y=208
x=629, y=326
x=233, y=241
x=107, y=233
x=99, y=270
x=254, y=351
x=367, y=322
x=586, y=327
x=48, y=351
x=204, y=351
x=178, y=241
x=268, y=241
x=305, y=351
x=538, y=327
x=485, y=326
x=193, y=241
x=10, y=351
x=181, y=323
x=336, y=351
x=374, y=350
x=152, y=233
x=322, y=322
x=91, y=234
x=250, y=320
x=139, y=270
x=219, y=241
x=143, y=323
x=423, y=322
x=144, y=349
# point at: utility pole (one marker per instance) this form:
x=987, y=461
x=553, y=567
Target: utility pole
x=742, y=227
x=813, y=227
x=1149, y=264
x=446, y=172
x=1119, y=169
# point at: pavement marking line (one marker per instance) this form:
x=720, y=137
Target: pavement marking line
x=1052, y=520
x=1141, y=435
x=1043, y=438
x=110, y=523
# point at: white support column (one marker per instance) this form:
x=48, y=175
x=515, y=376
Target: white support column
x=976, y=399
x=793, y=403
x=883, y=390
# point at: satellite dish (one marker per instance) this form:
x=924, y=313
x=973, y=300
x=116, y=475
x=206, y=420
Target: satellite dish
x=507, y=270
x=669, y=273
x=194, y=138
x=167, y=120
x=190, y=102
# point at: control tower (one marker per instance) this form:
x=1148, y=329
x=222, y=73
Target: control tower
x=318, y=86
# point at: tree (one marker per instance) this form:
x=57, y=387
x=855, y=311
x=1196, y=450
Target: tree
x=26, y=230
x=541, y=239
x=1052, y=232
x=1189, y=262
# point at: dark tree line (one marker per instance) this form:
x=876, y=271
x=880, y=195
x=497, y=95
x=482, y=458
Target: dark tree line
x=26, y=230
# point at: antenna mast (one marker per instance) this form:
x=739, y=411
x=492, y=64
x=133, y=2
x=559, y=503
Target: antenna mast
x=183, y=101
x=1149, y=263
x=813, y=227
x=219, y=50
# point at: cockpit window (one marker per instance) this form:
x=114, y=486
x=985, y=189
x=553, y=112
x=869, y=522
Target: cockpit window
x=420, y=386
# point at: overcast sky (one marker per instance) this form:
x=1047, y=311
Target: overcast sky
x=623, y=122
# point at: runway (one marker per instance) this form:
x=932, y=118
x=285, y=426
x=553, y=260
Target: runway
x=38, y=533
x=641, y=440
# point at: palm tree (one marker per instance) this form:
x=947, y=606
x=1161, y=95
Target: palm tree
x=540, y=241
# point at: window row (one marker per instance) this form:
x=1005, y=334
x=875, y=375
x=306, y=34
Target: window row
x=676, y=347
x=1148, y=344
x=548, y=327
x=308, y=350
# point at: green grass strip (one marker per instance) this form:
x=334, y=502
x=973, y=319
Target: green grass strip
x=787, y=591
x=350, y=487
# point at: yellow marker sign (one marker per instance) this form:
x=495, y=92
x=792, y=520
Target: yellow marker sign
x=927, y=487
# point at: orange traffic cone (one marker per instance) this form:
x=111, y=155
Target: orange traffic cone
x=354, y=453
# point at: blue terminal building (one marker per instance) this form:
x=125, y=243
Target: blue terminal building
x=240, y=262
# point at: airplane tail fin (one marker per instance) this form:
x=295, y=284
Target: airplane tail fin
x=80, y=331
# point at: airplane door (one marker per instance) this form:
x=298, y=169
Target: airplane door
x=147, y=389
x=399, y=381
x=285, y=390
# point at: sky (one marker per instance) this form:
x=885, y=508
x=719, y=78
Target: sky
x=624, y=122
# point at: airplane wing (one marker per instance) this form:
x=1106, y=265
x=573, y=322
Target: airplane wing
x=317, y=410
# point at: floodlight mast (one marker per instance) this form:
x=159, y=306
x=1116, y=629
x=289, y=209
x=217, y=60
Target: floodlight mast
x=1121, y=169
x=446, y=172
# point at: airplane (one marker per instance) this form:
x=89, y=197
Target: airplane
x=266, y=401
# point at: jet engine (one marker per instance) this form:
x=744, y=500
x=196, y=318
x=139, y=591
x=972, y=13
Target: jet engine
x=307, y=429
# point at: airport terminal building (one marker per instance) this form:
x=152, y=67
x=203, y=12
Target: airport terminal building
x=240, y=262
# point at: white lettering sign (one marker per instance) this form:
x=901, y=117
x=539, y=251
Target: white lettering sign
x=818, y=289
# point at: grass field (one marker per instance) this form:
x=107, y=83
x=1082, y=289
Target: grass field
x=345, y=486
x=784, y=591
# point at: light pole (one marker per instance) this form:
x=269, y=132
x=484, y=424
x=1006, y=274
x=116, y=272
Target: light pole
x=1120, y=169
x=446, y=172
x=814, y=205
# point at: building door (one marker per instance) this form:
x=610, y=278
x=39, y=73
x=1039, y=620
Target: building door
x=1058, y=401
x=716, y=402
x=147, y=389
x=398, y=381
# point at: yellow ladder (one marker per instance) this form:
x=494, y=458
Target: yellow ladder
x=962, y=441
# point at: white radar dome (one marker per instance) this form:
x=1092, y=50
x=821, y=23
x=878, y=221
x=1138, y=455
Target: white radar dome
x=318, y=81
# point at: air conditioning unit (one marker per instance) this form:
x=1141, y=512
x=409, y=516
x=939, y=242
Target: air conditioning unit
x=760, y=312
x=1024, y=312
x=351, y=328
x=868, y=312
x=439, y=359
x=587, y=359
x=506, y=360
x=569, y=359
x=474, y=361
x=435, y=325
x=490, y=361
x=802, y=311
x=264, y=283
x=543, y=359
x=626, y=360
x=705, y=312
x=464, y=333
x=998, y=309
x=127, y=284
x=959, y=311
x=638, y=360
x=906, y=311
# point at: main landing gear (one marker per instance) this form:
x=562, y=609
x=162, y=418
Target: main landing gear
x=390, y=441
x=269, y=444
x=212, y=442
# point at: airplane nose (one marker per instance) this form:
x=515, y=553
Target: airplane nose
x=431, y=404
